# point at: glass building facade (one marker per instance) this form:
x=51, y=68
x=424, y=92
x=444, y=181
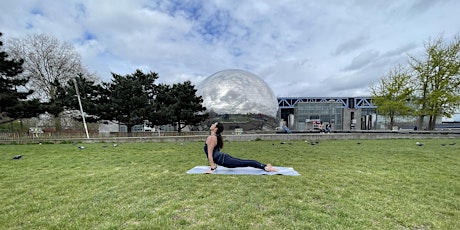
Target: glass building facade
x=308, y=114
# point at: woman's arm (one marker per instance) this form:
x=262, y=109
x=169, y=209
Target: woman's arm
x=211, y=143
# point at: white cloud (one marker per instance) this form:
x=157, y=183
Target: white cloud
x=300, y=48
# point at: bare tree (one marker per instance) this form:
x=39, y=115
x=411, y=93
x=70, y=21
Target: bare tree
x=49, y=64
x=46, y=61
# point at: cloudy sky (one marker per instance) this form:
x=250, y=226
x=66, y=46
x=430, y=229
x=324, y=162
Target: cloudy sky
x=299, y=47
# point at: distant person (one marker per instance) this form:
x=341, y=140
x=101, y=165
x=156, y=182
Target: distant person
x=328, y=128
x=286, y=129
x=215, y=142
x=320, y=127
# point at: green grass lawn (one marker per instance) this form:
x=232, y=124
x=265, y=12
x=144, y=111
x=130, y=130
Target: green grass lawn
x=378, y=184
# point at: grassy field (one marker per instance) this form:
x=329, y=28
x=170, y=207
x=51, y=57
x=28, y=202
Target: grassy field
x=377, y=184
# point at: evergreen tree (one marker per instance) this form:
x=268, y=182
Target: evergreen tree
x=94, y=98
x=178, y=104
x=56, y=105
x=161, y=114
x=131, y=98
x=12, y=89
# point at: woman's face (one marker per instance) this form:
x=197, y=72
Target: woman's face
x=213, y=127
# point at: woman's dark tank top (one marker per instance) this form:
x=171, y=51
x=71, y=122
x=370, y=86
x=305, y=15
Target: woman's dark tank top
x=217, y=155
x=205, y=148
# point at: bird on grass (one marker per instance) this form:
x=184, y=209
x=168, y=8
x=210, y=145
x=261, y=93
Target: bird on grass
x=17, y=157
x=312, y=142
x=418, y=144
x=81, y=147
x=452, y=144
x=115, y=145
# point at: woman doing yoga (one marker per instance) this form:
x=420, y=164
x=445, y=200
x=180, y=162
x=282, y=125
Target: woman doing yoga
x=214, y=143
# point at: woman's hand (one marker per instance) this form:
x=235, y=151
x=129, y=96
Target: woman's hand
x=211, y=170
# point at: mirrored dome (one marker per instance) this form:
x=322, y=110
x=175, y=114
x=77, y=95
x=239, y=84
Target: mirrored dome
x=237, y=92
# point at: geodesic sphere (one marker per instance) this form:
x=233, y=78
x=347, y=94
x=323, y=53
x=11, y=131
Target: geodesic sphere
x=237, y=92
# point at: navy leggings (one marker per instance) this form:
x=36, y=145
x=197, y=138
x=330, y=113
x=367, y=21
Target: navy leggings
x=224, y=159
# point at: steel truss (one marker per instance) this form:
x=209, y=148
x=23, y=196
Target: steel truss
x=347, y=102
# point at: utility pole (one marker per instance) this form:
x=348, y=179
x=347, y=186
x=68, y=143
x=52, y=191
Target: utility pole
x=81, y=108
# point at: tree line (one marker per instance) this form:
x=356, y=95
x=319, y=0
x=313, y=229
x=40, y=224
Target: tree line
x=40, y=75
x=426, y=88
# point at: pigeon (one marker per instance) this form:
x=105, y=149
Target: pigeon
x=419, y=144
x=17, y=157
x=81, y=147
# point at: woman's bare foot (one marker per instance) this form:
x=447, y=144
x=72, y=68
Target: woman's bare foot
x=270, y=168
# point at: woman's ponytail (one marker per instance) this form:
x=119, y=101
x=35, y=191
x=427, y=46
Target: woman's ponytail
x=220, y=140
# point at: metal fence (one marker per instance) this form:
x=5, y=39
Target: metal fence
x=18, y=136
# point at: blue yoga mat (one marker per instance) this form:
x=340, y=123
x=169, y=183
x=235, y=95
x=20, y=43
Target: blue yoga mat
x=244, y=171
